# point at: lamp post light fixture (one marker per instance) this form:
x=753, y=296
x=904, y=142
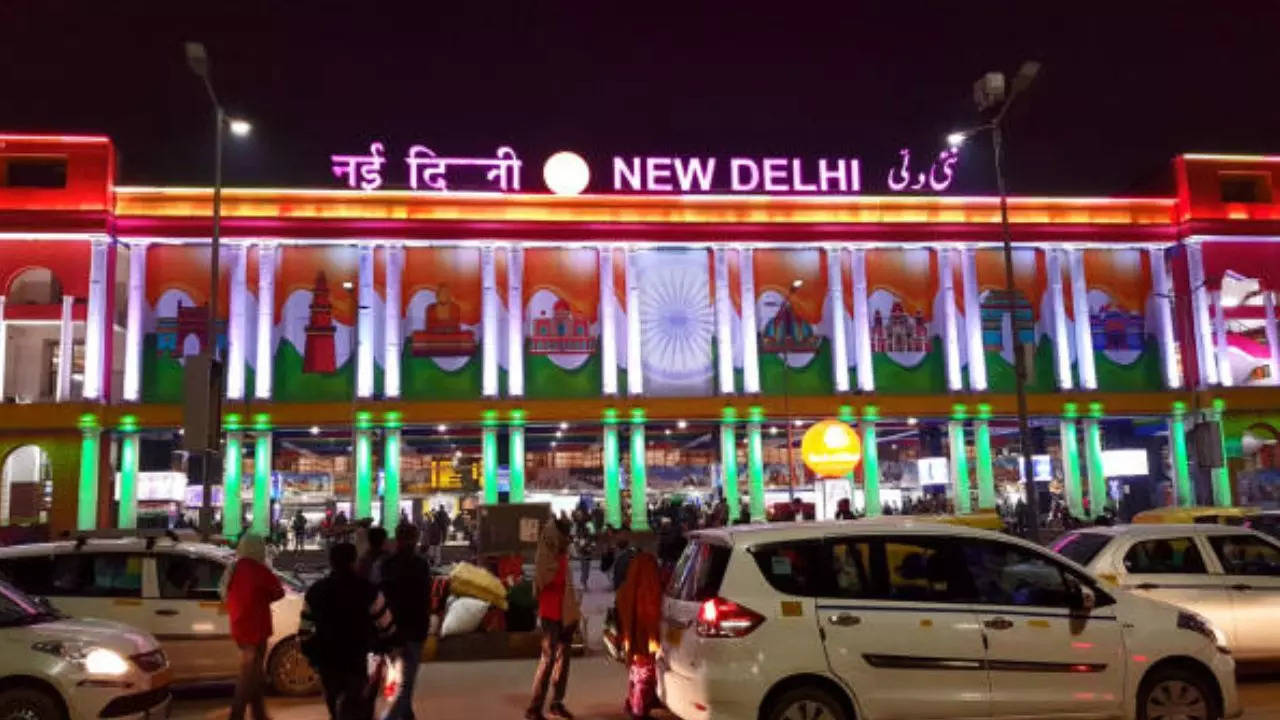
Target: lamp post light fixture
x=992, y=100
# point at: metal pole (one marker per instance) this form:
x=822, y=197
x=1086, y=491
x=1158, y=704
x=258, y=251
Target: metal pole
x=786, y=393
x=1020, y=362
x=211, y=330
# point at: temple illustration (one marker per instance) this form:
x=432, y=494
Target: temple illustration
x=564, y=331
x=443, y=334
x=902, y=333
x=172, y=331
x=994, y=306
x=320, y=356
x=787, y=332
x=1114, y=328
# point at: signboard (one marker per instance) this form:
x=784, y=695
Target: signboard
x=831, y=448
x=511, y=529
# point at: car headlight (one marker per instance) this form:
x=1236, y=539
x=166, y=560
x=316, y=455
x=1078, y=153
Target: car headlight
x=95, y=660
x=1202, y=625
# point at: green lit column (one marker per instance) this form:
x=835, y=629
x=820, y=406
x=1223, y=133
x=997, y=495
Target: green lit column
x=755, y=462
x=1093, y=461
x=870, y=461
x=363, y=506
x=1221, y=475
x=489, y=455
x=391, y=424
x=639, y=485
x=959, y=459
x=1071, y=460
x=729, y=462
x=1183, y=495
x=612, y=493
x=982, y=449
x=261, y=474
x=515, y=430
x=127, y=511
x=90, y=441
x=232, y=463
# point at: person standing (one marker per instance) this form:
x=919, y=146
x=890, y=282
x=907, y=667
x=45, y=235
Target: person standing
x=248, y=588
x=558, y=615
x=622, y=558
x=639, y=612
x=405, y=582
x=299, y=530
x=367, y=564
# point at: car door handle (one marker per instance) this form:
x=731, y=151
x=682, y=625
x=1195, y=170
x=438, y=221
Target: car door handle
x=844, y=619
x=1147, y=586
x=1241, y=587
x=998, y=624
x=167, y=612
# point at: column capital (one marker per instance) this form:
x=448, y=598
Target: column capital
x=262, y=422
x=231, y=422
x=610, y=416
x=637, y=416
x=516, y=418
x=959, y=412
x=1095, y=410
x=128, y=423
x=1179, y=408
x=88, y=422
x=489, y=418
x=870, y=413
x=393, y=420
x=984, y=411
x=755, y=414
x=846, y=413
x=1070, y=411
x=729, y=415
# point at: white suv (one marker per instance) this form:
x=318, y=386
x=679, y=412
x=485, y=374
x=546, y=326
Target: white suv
x=167, y=588
x=55, y=668
x=895, y=618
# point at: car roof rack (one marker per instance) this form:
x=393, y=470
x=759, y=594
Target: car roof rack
x=150, y=535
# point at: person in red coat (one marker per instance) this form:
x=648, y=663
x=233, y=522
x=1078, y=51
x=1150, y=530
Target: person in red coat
x=248, y=589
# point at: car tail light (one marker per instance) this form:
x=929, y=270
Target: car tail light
x=720, y=618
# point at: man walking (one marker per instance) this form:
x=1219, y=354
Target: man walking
x=249, y=589
x=558, y=615
x=344, y=618
x=406, y=585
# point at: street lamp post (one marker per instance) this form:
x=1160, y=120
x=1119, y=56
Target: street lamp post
x=989, y=94
x=789, y=318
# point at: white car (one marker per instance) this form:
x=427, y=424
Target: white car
x=896, y=619
x=55, y=668
x=169, y=589
x=1230, y=575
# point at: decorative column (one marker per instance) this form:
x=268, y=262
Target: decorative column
x=1220, y=351
x=861, y=321
x=1268, y=305
x=982, y=450
x=1206, y=360
x=132, y=389
x=950, y=333
x=489, y=331
x=515, y=324
x=489, y=455
x=755, y=462
x=392, y=422
x=232, y=466
x=364, y=324
x=4, y=348
x=1093, y=461
x=261, y=475
x=608, y=326
x=635, y=368
x=747, y=300
x=1221, y=475
x=975, y=348
x=127, y=510
x=1085, y=365
x=1061, y=344
x=1183, y=493
x=263, y=370
x=835, y=300
x=515, y=439
x=639, y=486
x=96, y=322
x=1071, y=460
x=90, y=447
x=870, y=461
x=65, y=350
x=609, y=455
x=236, y=322
x=959, y=459
x=729, y=463
x=1163, y=291
x=392, y=330
x=724, y=322
x=363, y=505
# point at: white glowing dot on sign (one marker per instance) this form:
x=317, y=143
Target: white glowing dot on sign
x=566, y=173
x=835, y=437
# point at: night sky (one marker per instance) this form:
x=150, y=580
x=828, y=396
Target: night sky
x=1125, y=85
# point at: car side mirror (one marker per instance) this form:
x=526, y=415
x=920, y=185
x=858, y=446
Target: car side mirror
x=1080, y=597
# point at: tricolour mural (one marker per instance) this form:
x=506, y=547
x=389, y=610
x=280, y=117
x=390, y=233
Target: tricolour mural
x=561, y=322
x=175, y=319
x=794, y=326
x=1122, y=321
x=677, y=322
x=1022, y=313
x=440, y=354
x=316, y=308
x=907, y=353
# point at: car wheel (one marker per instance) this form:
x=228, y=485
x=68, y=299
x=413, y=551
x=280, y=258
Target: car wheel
x=289, y=671
x=29, y=704
x=1176, y=694
x=806, y=703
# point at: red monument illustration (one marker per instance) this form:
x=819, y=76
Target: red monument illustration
x=443, y=334
x=904, y=333
x=319, y=356
x=565, y=331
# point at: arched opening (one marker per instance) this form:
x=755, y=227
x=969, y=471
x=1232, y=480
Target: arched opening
x=25, y=485
x=35, y=286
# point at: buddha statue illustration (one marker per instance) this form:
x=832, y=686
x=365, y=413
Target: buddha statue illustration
x=443, y=334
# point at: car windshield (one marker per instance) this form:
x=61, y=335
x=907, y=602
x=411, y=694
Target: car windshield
x=1081, y=547
x=18, y=608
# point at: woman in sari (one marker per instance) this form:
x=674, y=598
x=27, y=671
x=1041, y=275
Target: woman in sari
x=639, y=607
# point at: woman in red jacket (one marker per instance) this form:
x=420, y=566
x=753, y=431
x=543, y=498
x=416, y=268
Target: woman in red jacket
x=248, y=589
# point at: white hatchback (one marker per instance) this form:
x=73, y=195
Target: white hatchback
x=1231, y=575
x=169, y=589
x=896, y=619
x=57, y=668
